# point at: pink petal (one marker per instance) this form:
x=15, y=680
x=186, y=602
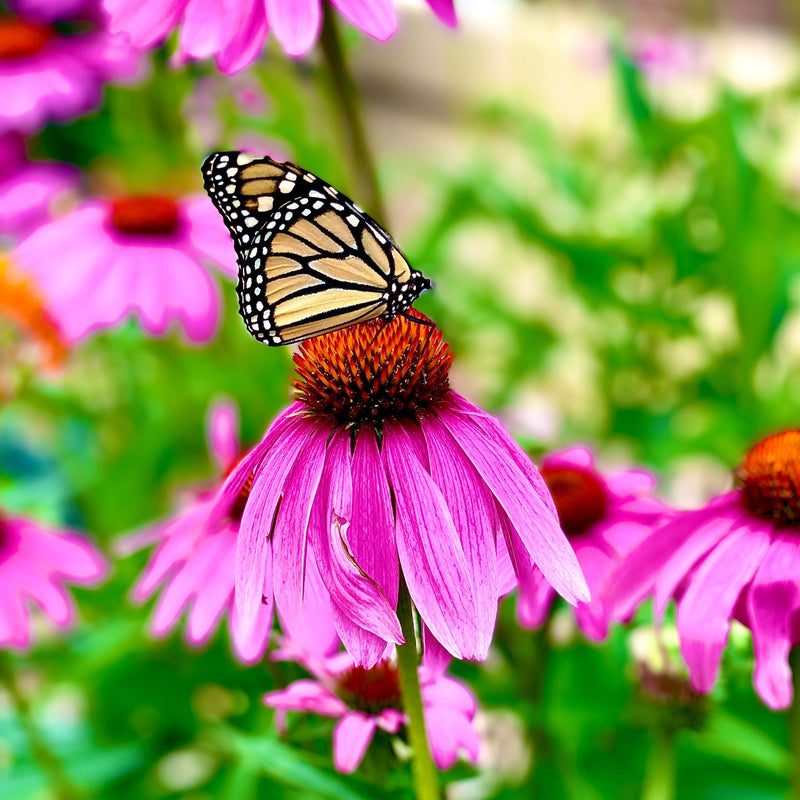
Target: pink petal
x=351, y=738
x=67, y=554
x=375, y=17
x=593, y=617
x=630, y=482
x=253, y=548
x=523, y=495
x=773, y=601
x=306, y=696
x=354, y=594
x=448, y=732
x=249, y=31
x=580, y=457
x=215, y=595
x=146, y=22
x=433, y=562
x=472, y=507
x=201, y=31
x=295, y=23
x=290, y=537
x=685, y=556
x=435, y=659
x=223, y=434
x=14, y=621
x=50, y=597
x=371, y=537
x=445, y=11
x=208, y=235
x=250, y=636
x=705, y=610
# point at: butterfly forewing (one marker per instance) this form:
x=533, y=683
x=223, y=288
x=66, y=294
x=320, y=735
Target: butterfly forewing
x=310, y=261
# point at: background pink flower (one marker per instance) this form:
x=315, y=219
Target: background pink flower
x=49, y=75
x=35, y=563
x=193, y=563
x=736, y=558
x=29, y=190
x=234, y=33
x=365, y=700
x=603, y=516
x=140, y=255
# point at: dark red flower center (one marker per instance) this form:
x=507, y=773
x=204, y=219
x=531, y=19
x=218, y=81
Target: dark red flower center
x=770, y=477
x=237, y=509
x=21, y=38
x=145, y=215
x=374, y=371
x=371, y=690
x=579, y=496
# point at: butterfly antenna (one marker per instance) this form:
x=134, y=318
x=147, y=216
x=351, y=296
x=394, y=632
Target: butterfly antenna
x=429, y=324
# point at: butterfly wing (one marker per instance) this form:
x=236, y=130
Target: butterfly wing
x=310, y=261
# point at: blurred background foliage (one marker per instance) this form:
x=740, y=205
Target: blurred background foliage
x=616, y=252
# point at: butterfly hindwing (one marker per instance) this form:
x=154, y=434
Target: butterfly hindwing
x=310, y=261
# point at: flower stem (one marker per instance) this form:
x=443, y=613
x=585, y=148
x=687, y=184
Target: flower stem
x=426, y=777
x=659, y=773
x=346, y=94
x=60, y=783
x=793, y=723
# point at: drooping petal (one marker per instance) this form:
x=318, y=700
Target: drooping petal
x=433, y=562
x=216, y=593
x=445, y=11
x=511, y=476
x=449, y=732
x=201, y=31
x=352, y=592
x=772, y=602
x=250, y=636
x=146, y=22
x=207, y=234
x=371, y=533
x=705, y=610
x=375, y=17
x=295, y=23
x=290, y=537
x=351, y=738
x=249, y=31
x=435, y=658
x=308, y=696
x=472, y=507
x=253, y=548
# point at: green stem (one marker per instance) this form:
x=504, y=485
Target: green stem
x=659, y=773
x=793, y=723
x=60, y=783
x=346, y=94
x=426, y=777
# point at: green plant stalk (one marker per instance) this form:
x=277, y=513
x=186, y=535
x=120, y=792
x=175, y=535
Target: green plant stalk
x=426, y=776
x=659, y=771
x=793, y=723
x=347, y=99
x=52, y=768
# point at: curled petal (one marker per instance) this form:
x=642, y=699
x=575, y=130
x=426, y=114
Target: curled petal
x=351, y=738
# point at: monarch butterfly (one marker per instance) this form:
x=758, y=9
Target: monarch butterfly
x=310, y=261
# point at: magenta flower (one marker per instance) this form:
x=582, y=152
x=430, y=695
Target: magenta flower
x=365, y=700
x=603, y=516
x=47, y=74
x=142, y=255
x=35, y=563
x=29, y=190
x=379, y=467
x=737, y=558
x=235, y=32
x=194, y=560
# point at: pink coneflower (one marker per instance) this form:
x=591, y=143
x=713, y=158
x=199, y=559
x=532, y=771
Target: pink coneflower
x=603, y=517
x=29, y=190
x=48, y=75
x=133, y=255
x=194, y=560
x=35, y=563
x=737, y=558
x=365, y=700
x=379, y=467
x=235, y=32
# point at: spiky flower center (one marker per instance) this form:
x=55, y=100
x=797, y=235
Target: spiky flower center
x=145, y=215
x=579, y=496
x=374, y=371
x=770, y=477
x=371, y=690
x=22, y=38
